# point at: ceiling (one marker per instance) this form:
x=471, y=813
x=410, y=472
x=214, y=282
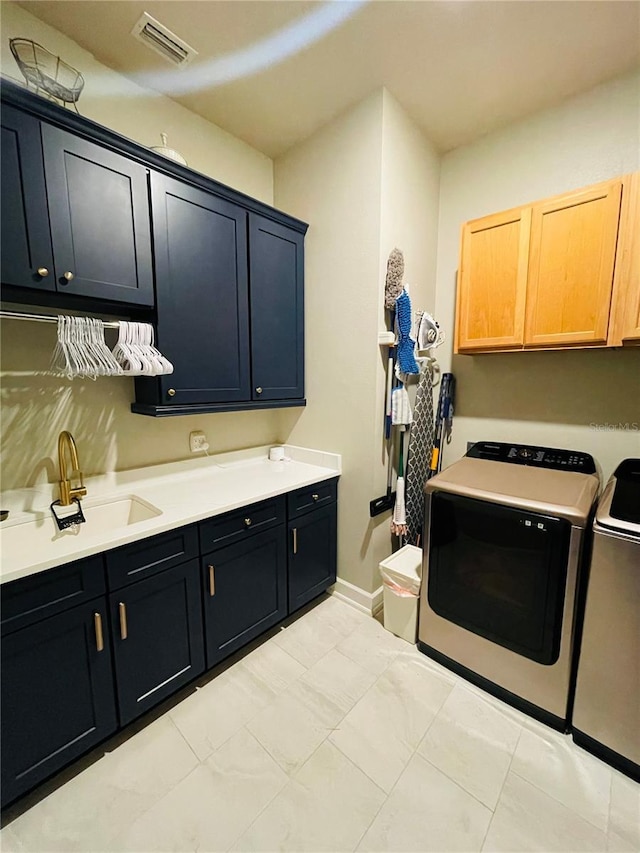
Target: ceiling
x=459, y=68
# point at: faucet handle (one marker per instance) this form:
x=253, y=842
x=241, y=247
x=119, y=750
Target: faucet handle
x=81, y=490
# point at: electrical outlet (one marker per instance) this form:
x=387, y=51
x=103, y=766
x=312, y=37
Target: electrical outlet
x=198, y=441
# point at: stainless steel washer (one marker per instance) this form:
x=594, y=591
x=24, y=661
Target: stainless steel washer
x=504, y=537
x=606, y=715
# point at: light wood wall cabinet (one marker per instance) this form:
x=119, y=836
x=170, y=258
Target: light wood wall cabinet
x=625, y=325
x=493, y=279
x=562, y=272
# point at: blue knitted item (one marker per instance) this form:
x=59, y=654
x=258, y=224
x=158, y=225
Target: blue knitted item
x=406, y=346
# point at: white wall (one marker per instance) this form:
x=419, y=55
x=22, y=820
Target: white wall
x=35, y=407
x=559, y=399
x=366, y=182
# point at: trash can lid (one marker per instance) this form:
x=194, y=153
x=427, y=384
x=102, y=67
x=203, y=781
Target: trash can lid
x=404, y=567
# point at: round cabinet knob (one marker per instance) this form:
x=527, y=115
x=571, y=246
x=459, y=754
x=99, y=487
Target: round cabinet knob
x=68, y=276
x=258, y=390
x=315, y=497
x=247, y=522
x=43, y=271
x=171, y=392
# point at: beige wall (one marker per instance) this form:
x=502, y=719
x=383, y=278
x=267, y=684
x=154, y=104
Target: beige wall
x=366, y=182
x=35, y=407
x=113, y=100
x=561, y=399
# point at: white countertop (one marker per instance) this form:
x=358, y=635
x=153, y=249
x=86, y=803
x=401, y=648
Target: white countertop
x=175, y=494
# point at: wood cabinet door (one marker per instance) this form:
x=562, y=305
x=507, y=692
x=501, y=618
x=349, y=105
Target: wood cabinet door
x=492, y=281
x=157, y=638
x=626, y=311
x=245, y=591
x=312, y=555
x=200, y=247
x=276, y=257
x=57, y=695
x=25, y=244
x=100, y=222
x=573, y=248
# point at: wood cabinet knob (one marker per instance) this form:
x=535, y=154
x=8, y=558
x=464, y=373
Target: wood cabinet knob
x=43, y=271
x=68, y=276
x=171, y=392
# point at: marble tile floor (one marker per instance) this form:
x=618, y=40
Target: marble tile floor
x=332, y=735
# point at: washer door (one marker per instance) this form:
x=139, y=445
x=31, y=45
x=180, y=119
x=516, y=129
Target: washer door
x=499, y=572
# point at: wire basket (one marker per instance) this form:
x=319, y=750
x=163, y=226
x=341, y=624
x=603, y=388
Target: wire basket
x=46, y=71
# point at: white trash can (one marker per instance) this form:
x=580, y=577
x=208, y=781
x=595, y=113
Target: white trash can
x=401, y=576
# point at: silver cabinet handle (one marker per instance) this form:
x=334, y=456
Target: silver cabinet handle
x=171, y=392
x=43, y=271
x=97, y=625
x=212, y=581
x=315, y=497
x=68, y=276
x=258, y=390
x=122, y=610
x=247, y=522
x=295, y=540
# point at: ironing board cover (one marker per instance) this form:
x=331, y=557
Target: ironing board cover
x=419, y=457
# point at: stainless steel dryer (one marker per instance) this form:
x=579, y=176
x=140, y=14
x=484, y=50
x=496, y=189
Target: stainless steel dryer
x=504, y=538
x=606, y=715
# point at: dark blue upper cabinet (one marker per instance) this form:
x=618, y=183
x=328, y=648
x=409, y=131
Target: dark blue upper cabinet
x=99, y=214
x=80, y=203
x=200, y=246
x=27, y=260
x=276, y=263
x=230, y=303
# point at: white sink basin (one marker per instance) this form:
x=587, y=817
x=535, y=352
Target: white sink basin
x=39, y=531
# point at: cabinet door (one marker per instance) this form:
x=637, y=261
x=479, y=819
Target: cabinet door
x=626, y=312
x=573, y=247
x=57, y=695
x=245, y=592
x=312, y=555
x=100, y=224
x=492, y=281
x=157, y=631
x=200, y=246
x=276, y=257
x=27, y=260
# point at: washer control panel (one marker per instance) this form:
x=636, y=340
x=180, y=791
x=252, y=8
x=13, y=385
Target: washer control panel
x=539, y=457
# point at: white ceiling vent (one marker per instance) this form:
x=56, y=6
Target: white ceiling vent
x=156, y=36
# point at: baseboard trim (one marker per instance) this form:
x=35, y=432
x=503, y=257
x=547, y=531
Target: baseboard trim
x=367, y=602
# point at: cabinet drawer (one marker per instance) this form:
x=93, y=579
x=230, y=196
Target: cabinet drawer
x=44, y=594
x=149, y=556
x=237, y=525
x=311, y=497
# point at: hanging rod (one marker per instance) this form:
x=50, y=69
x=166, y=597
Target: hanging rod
x=47, y=318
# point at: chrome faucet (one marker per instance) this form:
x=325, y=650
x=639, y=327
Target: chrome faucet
x=68, y=493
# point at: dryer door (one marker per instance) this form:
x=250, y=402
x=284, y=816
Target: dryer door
x=499, y=572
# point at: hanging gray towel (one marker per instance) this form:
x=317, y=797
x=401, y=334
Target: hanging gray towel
x=420, y=449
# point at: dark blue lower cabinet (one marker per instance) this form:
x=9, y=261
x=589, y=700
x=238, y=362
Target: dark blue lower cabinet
x=57, y=695
x=157, y=638
x=245, y=591
x=71, y=679
x=312, y=555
